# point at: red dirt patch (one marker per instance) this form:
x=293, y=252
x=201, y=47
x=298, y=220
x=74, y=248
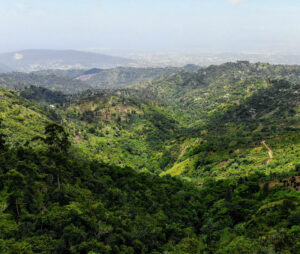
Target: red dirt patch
x=221, y=164
x=290, y=182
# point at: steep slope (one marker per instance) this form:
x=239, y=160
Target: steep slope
x=103, y=125
x=193, y=95
x=205, y=124
x=120, y=130
x=233, y=139
x=56, y=201
x=240, y=155
x=43, y=95
x=22, y=119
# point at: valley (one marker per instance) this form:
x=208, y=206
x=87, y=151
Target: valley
x=158, y=160
x=188, y=123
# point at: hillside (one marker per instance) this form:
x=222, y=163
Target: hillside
x=231, y=141
x=193, y=95
x=39, y=59
x=193, y=162
x=43, y=95
x=19, y=81
x=103, y=125
x=191, y=124
x=22, y=119
x=120, y=130
x=55, y=201
x=117, y=77
x=225, y=112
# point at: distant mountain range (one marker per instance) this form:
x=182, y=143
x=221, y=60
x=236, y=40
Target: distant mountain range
x=43, y=59
x=18, y=81
x=117, y=77
x=33, y=60
x=76, y=80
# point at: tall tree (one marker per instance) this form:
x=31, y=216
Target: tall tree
x=57, y=140
x=2, y=138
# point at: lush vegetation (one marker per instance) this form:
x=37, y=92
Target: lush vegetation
x=198, y=124
x=117, y=77
x=43, y=95
x=193, y=162
x=18, y=81
x=55, y=201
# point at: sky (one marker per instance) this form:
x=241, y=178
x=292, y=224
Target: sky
x=151, y=25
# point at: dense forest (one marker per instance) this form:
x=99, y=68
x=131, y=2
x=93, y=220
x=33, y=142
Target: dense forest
x=55, y=201
x=18, y=81
x=199, y=161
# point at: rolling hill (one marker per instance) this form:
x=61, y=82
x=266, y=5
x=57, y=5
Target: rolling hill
x=120, y=77
x=237, y=170
x=232, y=140
x=20, y=80
x=194, y=124
x=193, y=162
x=39, y=59
x=117, y=77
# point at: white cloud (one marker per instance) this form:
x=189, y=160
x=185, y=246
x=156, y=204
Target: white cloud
x=234, y=2
x=262, y=28
x=18, y=56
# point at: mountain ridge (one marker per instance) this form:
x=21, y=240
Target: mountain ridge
x=187, y=163
x=38, y=59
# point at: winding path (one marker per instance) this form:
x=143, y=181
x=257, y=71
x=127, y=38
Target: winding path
x=270, y=152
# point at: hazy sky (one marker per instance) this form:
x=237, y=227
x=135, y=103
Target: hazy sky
x=151, y=25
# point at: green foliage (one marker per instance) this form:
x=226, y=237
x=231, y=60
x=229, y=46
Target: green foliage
x=230, y=133
x=43, y=95
x=107, y=209
x=18, y=81
x=188, y=123
x=2, y=138
x=116, y=77
x=56, y=138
